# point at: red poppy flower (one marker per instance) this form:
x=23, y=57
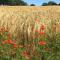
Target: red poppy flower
x=3, y=42
x=42, y=27
x=14, y=45
x=25, y=53
x=9, y=35
x=41, y=33
x=42, y=43
x=2, y=29
x=9, y=41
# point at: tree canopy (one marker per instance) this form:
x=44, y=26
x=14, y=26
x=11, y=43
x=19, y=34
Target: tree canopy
x=50, y=3
x=32, y=5
x=44, y=4
x=12, y=2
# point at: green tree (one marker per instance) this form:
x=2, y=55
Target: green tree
x=44, y=4
x=13, y=2
x=52, y=3
x=49, y=3
x=32, y=5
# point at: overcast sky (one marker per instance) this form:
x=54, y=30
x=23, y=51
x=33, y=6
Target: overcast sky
x=39, y=2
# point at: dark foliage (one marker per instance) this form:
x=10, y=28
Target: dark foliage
x=44, y=4
x=32, y=5
x=52, y=3
x=12, y=2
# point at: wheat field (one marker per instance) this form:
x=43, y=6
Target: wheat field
x=29, y=33
x=22, y=18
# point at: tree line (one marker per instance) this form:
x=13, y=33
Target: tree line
x=50, y=3
x=13, y=2
x=22, y=3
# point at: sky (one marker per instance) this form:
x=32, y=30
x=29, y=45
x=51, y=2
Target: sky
x=39, y=2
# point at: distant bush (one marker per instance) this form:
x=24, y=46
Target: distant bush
x=49, y=3
x=32, y=5
x=44, y=4
x=52, y=3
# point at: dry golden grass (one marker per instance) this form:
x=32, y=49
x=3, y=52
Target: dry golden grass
x=22, y=18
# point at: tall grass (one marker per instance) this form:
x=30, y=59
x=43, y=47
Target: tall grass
x=25, y=25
